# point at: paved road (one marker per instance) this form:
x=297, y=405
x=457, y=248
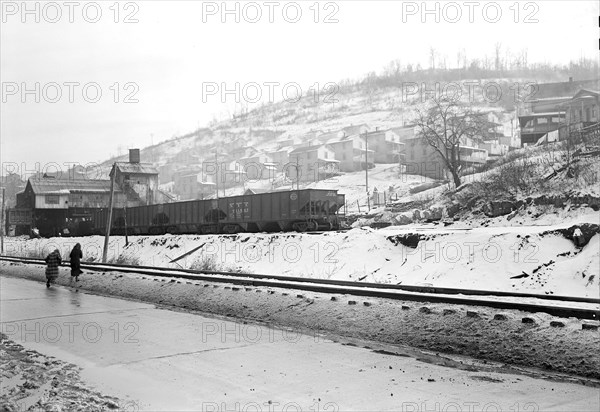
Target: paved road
x=167, y=360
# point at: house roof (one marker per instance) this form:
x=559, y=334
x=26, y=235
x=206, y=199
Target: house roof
x=305, y=149
x=54, y=186
x=582, y=92
x=135, y=168
x=353, y=129
x=563, y=89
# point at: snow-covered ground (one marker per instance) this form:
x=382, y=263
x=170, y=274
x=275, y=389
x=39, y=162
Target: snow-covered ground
x=535, y=259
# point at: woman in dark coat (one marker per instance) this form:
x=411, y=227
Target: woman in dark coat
x=75, y=258
x=53, y=260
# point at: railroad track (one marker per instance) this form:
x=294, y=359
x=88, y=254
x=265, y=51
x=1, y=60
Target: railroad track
x=561, y=306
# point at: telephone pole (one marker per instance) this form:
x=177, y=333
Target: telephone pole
x=2, y=222
x=217, y=174
x=367, y=163
x=110, y=209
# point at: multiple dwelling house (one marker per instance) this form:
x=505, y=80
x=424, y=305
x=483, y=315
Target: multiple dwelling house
x=359, y=129
x=191, y=186
x=351, y=152
x=258, y=167
x=424, y=160
x=582, y=111
x=312, y=163
x=405, y=132
x=386, y=145
x=280, y=157
x=544, y=111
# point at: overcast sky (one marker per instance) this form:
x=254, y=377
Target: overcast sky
x=162, y=60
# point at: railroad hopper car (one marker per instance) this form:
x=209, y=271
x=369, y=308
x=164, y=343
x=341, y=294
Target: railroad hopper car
x=296, y=210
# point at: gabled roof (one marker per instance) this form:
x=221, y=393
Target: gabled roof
x=53, y=186
x=590, y=92
x=135, y=168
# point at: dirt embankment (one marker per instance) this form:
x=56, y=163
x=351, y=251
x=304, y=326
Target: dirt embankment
x=542, y=341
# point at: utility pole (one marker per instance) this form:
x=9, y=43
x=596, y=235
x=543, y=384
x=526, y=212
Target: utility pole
x=297, y=172
x=2, y=222
x=217, y=174
x=110, y=208
x=125, y=221
x=367, y=163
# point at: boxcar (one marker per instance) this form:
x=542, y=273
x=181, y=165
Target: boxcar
x=296, y=210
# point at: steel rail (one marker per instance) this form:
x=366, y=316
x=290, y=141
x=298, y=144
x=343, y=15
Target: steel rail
x=396, y=292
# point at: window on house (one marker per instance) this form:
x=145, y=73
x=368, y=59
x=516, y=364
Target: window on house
x=52, y=199
x=542, y=120
x=556, y=120
x=424, y=149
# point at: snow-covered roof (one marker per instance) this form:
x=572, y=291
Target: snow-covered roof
x=61, y=186
x=135, y=168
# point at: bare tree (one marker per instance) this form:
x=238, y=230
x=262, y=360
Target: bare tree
x=497, y=58
x=444, y=126
x=432, y=55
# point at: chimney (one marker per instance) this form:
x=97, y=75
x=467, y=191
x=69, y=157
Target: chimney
x=134, y=155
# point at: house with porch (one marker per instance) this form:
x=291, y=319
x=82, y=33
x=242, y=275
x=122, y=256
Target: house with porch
x=544, y=110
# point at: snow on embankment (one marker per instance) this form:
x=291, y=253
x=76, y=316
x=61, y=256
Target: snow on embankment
x=520, y=259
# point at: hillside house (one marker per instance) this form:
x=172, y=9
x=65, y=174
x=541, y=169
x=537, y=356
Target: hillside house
x=328, y=136
x=495, y=150
x=405, y=132
x=312, y=163
x=139, y=181
x=288, y=142
x=582, y=111
x=280, y=157
x=544, y=109
x=386, y=145
x=190, y=186
x=349, y=151
x=258, y=167
x=359, y=129
x=422, y=159
x=547, y=97
x=536, y=125
x=241, y=152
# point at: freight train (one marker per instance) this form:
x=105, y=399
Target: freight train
x=295, y=210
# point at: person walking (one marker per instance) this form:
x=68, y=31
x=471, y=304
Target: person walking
x=53, y=260
x=75, y=260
